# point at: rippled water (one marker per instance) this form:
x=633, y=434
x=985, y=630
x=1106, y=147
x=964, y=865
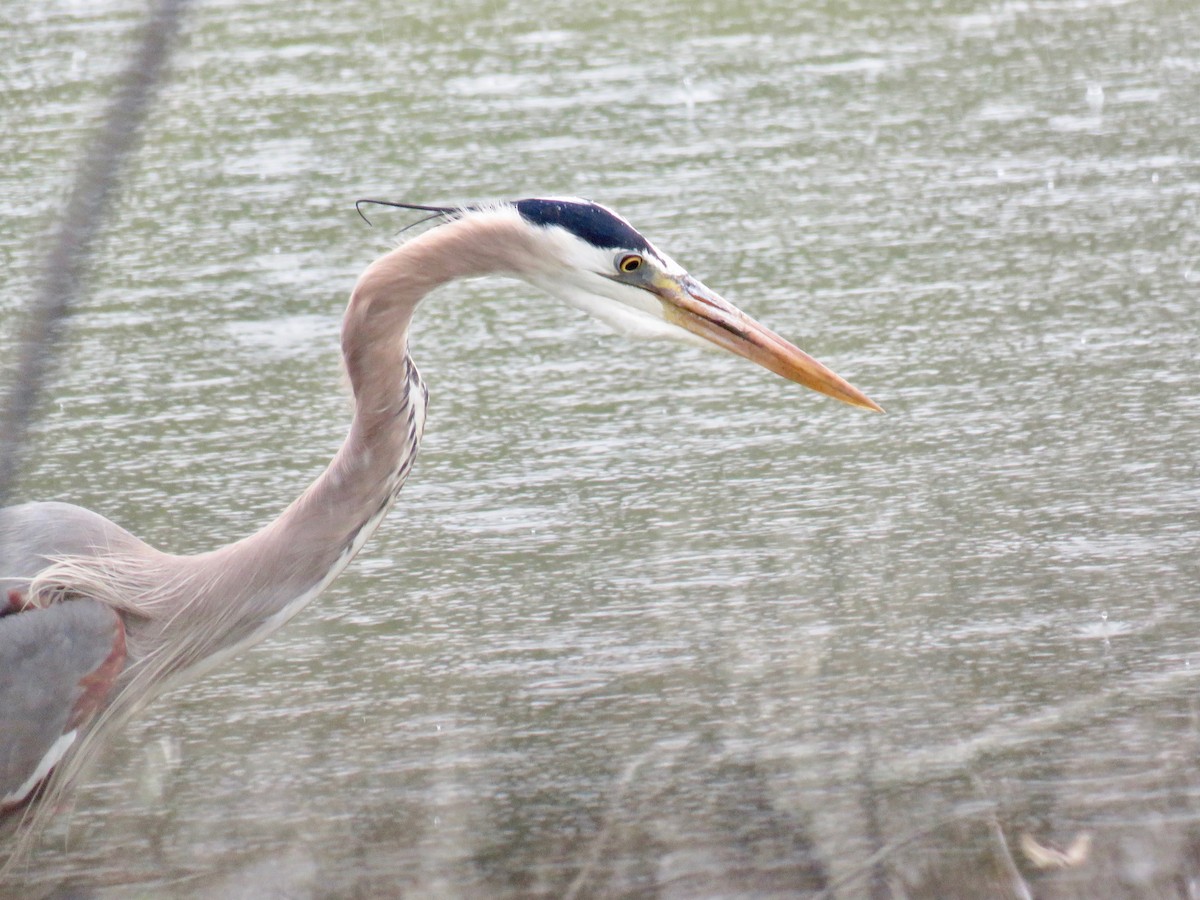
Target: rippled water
x=649, y=621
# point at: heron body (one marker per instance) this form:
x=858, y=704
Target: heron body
x=94, y=622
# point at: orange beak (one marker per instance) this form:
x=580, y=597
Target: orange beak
x=692, y=306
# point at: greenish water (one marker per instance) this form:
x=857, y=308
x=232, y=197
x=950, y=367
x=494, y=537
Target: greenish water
x=649, y=621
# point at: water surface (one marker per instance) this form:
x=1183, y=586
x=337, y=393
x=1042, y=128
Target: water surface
x=648, y=621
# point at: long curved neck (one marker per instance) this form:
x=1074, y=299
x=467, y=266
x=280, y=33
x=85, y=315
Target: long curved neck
x=183, y=614
x=235, y=595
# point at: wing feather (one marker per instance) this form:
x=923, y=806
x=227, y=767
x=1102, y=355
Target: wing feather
x=58, y=666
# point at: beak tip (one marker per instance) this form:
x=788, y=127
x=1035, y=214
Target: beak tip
x=854, y=397
x=864, y=403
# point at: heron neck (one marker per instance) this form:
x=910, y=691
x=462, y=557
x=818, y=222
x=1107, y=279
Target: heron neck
x=332, y=519
x=263, y=580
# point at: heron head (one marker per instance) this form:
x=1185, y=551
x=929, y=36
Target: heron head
x=595, y=260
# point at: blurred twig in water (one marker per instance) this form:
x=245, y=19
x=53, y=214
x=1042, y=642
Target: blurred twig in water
x=1045, y=856
x=868, y=865
x=657, y=752
x=96, y=182
x=1009, y=865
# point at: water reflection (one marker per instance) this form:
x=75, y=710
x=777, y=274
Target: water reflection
x=646, y=623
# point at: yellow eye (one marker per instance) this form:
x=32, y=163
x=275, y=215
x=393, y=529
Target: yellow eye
x=630, y=263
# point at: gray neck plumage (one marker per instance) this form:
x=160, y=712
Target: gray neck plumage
x=231, y=597
x=239, y=593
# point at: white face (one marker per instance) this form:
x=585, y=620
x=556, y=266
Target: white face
x=610, y=285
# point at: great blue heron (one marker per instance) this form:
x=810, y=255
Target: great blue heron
x=95, y=622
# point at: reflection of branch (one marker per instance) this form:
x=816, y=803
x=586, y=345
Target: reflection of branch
x=887, y=850
x=1010, y=735
x=870, y=801
x=1020, y=888
x=630, y=772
